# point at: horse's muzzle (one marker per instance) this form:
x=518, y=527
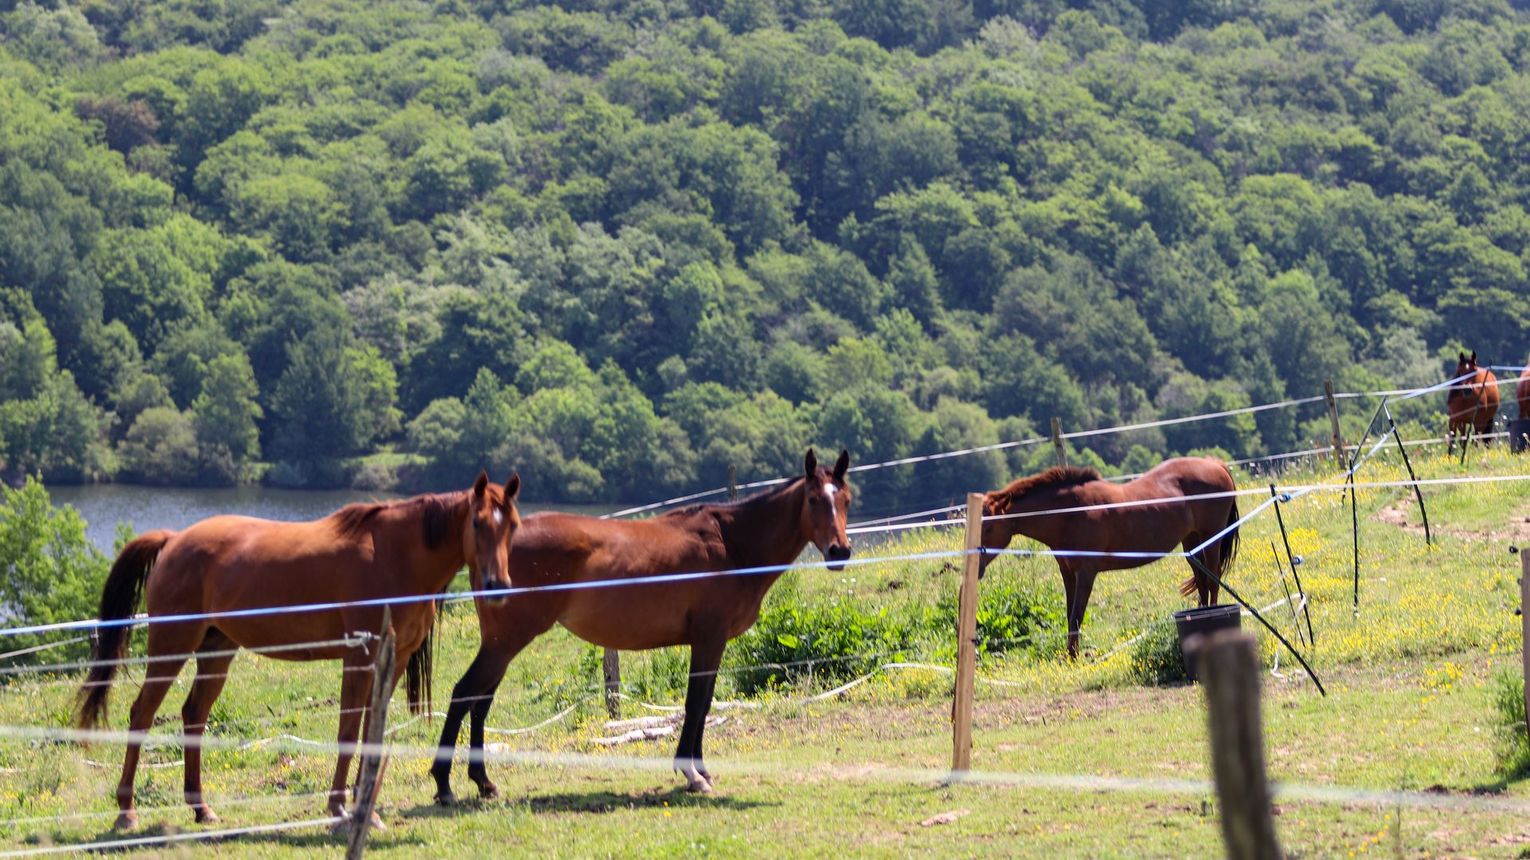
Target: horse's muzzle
x=837, y=556
x=496, y=587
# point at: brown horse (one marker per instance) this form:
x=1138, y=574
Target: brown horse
x=1152, y=527
x=766, y=530
x=1472, y=402
x=224, y=566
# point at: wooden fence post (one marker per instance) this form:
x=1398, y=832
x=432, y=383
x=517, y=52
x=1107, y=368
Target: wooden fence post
x=732, y=483
x=1057, y=443
x=966, y=645
x=1524, y=625
x=1227, y=664
x=1333, y=418
x=611, y=666
x=371, y=757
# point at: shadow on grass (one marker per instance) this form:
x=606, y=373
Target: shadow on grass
x=318, y=836
x=594, y=802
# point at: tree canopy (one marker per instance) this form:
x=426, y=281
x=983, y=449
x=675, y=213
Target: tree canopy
x=624, y=246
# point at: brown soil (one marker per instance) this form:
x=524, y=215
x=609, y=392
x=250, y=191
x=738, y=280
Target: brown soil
x=1403, y=514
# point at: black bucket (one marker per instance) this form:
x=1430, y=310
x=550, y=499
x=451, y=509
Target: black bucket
x=1519, y=431
x=1205, y=619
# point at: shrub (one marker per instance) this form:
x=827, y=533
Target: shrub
x=1508, y=691
x=49, y=571
x=1156, y=658
x=837, y=640
x=1013, y=614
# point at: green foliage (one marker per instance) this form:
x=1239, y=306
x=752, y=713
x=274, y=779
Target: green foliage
x=792, y=643
x=49, y=571
x=1507, y=688
x=1156, y=658
x=796, y=641
x=899, y=227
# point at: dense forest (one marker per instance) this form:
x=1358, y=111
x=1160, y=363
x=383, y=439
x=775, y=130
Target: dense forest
x=624, y=245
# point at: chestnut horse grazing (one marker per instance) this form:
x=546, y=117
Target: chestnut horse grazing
x=227, y=564
x=1151, y=527
x=768, y=529
x=1472, y=402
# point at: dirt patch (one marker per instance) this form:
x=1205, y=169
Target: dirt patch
x=1403, y=513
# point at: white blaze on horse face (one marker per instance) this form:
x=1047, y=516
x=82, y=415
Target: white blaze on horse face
x=829, y=491
x=499, y=518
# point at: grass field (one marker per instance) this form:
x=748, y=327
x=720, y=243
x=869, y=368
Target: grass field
x=1076, y=759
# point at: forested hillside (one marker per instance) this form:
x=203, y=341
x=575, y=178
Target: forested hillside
x=624, y=245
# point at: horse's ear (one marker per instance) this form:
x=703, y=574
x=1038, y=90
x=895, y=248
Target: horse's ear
x=1461, y=358
x=1474, y=358
x=810, y=463
x=841, y=466
x=481, y=484
x=512, y=488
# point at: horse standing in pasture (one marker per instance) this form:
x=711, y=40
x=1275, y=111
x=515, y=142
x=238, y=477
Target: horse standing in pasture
x=1522, y=391
x=227, y=564
x=765, y=530
x=1472, y=403
x=1060, y=508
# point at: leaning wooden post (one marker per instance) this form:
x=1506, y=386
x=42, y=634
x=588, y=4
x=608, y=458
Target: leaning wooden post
x=371, y=755
x=1057, y=443
x=732, y=483
x=1524, y=628
x=1227, y=664
x=966, y=642
x=611, y=667
x=1333, y=418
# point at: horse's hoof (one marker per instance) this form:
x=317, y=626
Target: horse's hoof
x=375, y=822
x=205, y=815
x=127, y=820
x=446, y=798
x=342, y=823
x=487, y=791
x=699, y=785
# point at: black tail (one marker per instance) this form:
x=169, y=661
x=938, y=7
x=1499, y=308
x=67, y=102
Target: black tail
x=1229, y=542
x=419, y=673
x=1229, y=547
x=119, y=599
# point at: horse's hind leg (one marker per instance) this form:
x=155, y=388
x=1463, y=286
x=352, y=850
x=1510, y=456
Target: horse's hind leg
x=173, y=643
x=213, y=661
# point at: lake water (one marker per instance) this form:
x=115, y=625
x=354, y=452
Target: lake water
x=144, y=508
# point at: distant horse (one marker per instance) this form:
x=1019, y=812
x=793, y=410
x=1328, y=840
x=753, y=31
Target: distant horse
x=1522, y=391
x=764, y=530
x=1154, y=527
x=226, y=564
x=1472, y=402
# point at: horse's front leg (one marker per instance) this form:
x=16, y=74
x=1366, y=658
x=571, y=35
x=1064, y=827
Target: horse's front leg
x=1080, y=606
x=1070, y=588
x=706, y=657
x=355, y=687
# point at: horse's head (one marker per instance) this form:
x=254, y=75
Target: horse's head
x=491, y=521
x=1464, y=389
x=995, y=534
x=826, y=508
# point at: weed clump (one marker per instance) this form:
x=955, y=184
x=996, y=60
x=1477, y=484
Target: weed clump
x=1508, y=692
x=1156, y=657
